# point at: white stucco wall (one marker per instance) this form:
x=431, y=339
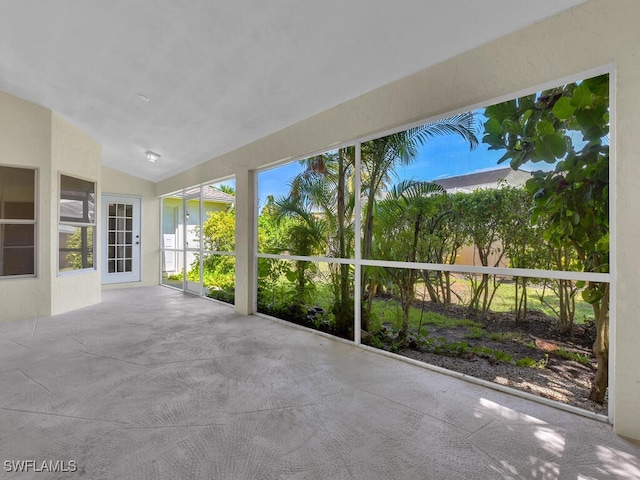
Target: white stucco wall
x=115, y=182
x=75, y=154
x=25, y=141
x=596, y=34
x=33, y=136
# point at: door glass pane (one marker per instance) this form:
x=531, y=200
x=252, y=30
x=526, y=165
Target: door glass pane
x=193, y=272
x=120, y=238
x=172, y=268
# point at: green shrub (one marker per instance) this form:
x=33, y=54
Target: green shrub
x=531, y=363
x=526, y=362
x=475, y=333
x=506, y=336
x=575, y=356
x=498, y=355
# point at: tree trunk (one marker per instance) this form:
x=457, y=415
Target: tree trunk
x=434, y=296
x=342, y=303
x=601, y=346
x=406, y=296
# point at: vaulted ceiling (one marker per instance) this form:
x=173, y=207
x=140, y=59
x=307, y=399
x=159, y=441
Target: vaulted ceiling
x=193, y=79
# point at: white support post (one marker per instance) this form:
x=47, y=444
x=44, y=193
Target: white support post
x=245, y=234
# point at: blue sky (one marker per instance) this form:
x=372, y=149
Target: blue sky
x=439, y=157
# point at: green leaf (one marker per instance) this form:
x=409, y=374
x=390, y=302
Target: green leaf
x=599, y=86
x=563, y=110
x=291, y=276
x=603, y=242
x=575, y=218
x=516, y=161
x=511, y=127
x=544, y=127
x=581, y=96
x=591, y=295
x=504, y=157
x=590, y=118
x=596, y=132
x=495, y=141
x=493, y=126
x=501, y=111
x=550, y=147
x=580, y=283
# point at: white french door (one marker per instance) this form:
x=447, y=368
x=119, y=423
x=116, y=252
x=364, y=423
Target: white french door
x=121, y=242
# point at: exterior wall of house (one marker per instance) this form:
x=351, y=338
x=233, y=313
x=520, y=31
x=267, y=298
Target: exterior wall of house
x=25, y=141
x=76, y=154
x=32, y=136
x=596, y=34
x=119, y=183
x=468, y=255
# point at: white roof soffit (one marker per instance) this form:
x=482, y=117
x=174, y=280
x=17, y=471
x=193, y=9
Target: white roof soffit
x=193, y=79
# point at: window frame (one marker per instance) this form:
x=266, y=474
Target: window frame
x=35, y=222
x=181, y=250
x=360, y=263
x=76, y=224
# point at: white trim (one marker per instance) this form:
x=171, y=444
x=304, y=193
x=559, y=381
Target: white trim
x=181, y=191
x=343, y=261
x=253, y=180
x=357, y=277
x=473, y=269
x=181, y=196
x=495, y=100
x=96, y=230
x=35, y=222
x=135, y=275
x=613, y=256
x=312, y=153
x=215, y=252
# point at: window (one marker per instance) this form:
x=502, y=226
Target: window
x=458, y=237
x=77, y=224
x=17, y=221
x=306, y=241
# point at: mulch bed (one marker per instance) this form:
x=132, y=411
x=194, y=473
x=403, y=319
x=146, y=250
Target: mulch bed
x=556, y=378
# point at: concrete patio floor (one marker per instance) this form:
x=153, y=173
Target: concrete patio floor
x=154, y=384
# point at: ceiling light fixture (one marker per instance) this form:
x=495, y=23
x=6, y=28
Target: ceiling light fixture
x=152, y=157
x=143, y=97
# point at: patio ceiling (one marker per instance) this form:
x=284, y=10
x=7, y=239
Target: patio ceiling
x=194, y=79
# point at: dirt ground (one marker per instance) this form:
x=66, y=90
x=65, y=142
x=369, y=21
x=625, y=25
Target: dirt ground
x=537, y=338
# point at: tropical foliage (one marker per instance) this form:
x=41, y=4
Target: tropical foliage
x=557, y=221
x=568, y=127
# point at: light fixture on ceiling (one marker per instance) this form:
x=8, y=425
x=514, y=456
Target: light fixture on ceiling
x=142, y=97
x=152, y=157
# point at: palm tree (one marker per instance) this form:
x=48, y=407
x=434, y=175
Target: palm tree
x=323, y=195
x=404, y=216
x=381, y=156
